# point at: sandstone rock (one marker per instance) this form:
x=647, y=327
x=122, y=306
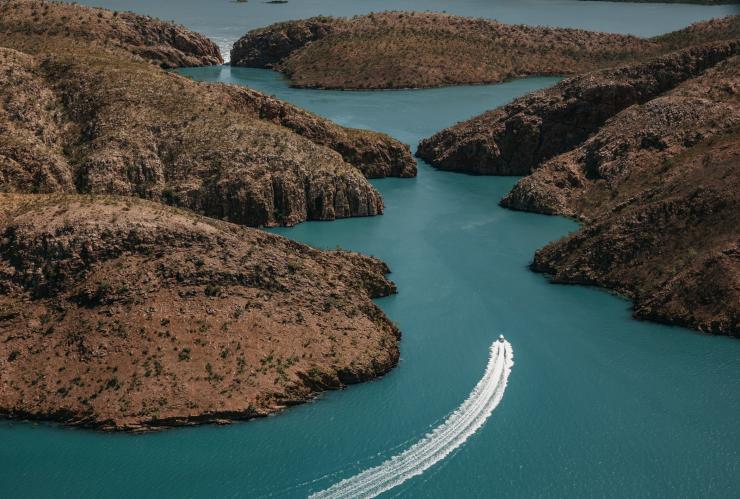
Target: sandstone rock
x=516, y=138
x=124, y=314
x=164, y=43
x=657, y=189
x=264, y=47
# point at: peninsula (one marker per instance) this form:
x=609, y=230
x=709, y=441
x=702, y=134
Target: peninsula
x=88, y=112
x=125, y=304
x=417, y=50
x=647, y=156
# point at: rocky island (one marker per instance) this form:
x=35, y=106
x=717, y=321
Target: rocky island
x=418, y=50
x=647, y=156
x=124, y=303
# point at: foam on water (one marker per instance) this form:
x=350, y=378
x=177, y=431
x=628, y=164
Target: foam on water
x=441, y=441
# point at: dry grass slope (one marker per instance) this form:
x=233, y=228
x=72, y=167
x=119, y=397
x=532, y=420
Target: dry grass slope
x=124, y=314
x=415, y=50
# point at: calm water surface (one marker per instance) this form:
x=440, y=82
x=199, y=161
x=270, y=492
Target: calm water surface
x=598, y=405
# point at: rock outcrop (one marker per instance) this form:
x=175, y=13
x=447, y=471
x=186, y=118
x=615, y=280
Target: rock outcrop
x=77, y=115
x=166, y=44
x=416, y=50
x=265, y=47
x=656, y=189
x=124, y=314
x=138, y=131
x=633, y=151
x=376, y=154
x=516, y=138
x=673, y=248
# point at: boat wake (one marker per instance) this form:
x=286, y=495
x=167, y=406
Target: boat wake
x=440, y=442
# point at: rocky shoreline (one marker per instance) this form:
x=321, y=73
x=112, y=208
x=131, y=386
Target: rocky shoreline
x=125, y=304
x=647, y=156
x=123, y=314
x=396, y=50
x=516, y=138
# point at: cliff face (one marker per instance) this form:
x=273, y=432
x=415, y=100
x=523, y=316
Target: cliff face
x=656, y=188
x=79, y=115
x=376, y=154
x=516, y=138
x=121, y=127
x=165, y=43
x=633, y=151
x=672, y=248
x=264, y=47
x=120, y=314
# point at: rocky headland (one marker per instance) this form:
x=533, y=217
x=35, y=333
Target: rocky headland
x=418, y=50
x=166, y=44
x=124, y=314
x=124, y=303
x=516, y=138
x=647, y=156
x=83, y=117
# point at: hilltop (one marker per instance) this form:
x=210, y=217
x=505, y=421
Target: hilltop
x=123, y=314
x=417, y=50
x=80, y=116
x=166, y=44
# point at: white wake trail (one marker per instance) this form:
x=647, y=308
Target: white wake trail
x=440, y=442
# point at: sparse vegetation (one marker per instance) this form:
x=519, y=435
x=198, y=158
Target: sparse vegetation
x=409, y=49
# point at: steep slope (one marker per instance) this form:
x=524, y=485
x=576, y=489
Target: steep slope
x=634, y=150
x=514, y=139
x=376, y=155
x=656, y=187
x=134, y=130
x=673, y=249
x=80, y=115
x=167, y=44
x=409, y=49
x=124, y=314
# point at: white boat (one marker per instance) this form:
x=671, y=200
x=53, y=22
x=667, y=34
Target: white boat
x=501, y=338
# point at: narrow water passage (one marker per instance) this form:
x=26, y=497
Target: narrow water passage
x=598, y=404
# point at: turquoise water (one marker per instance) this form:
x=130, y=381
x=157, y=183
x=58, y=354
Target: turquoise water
x=226, y=20
x=598, y=405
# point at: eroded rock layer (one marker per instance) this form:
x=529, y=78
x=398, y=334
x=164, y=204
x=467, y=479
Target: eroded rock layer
x=657, y=189
x=124, y=314
x=516, y=138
